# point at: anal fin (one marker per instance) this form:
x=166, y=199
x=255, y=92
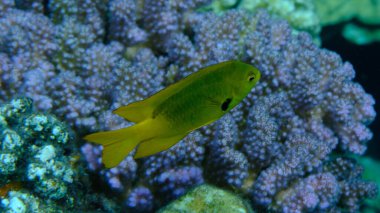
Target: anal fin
x=156, y=145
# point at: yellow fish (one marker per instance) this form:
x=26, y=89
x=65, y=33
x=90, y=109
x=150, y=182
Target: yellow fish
x=166, y=117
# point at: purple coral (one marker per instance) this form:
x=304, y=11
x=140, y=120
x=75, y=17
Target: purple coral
x=5, y=5
x=353, y=188
x=189, y=151
x=140, y=199
x=319, y=191
x=116, y=177
x=261, y=140
x=119, y=176
x=174, y=183
x=123, y=25
x=88, y=13
x=164, y=17
x=224, y=164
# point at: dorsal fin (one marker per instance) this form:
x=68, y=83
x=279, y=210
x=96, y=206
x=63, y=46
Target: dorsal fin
x=135, y=112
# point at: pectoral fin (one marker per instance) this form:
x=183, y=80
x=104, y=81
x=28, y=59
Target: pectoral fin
x=210, y=101
x=156, y=145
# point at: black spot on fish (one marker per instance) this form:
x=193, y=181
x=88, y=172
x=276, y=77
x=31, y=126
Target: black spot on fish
x=225, y=104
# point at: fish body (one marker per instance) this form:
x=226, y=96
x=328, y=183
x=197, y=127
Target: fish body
x=166, y=117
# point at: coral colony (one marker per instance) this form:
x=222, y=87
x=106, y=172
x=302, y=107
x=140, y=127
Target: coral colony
x=284, y=148
x=37, y=139
x=38, y=155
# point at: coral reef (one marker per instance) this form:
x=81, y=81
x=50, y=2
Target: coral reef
x=140, y=199
x=279, y=148
x=361, y=35
x=31, y=142
x=312, y=15
x=366, y=13
x=37, y=158
x=371, y=171
x=301, y=14
x=207, y=198
x=21, y=202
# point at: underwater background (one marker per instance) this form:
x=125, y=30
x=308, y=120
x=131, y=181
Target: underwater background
x=306, y=139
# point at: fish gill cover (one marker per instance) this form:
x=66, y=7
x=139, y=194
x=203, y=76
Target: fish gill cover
x=285, y=147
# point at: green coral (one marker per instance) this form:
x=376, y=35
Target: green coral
x=311, y=15
x=36, y=149
x=361, y=35
x=333, y=12
x=371, y=172
x=299, y=13
x=207, y=198
x=32, y=147
x=365, y=11
x=21, y=203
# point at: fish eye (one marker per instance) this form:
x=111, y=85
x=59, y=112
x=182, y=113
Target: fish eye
x=251, y=77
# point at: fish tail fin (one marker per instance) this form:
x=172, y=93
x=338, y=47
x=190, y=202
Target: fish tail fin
x=117, y=144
